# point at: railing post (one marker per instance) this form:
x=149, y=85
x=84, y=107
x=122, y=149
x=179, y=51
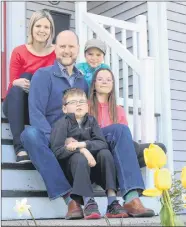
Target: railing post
x=81, y=28
x=147, y=109
x=142, y=37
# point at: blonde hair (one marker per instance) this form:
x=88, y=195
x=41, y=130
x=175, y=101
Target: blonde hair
x=34, y=18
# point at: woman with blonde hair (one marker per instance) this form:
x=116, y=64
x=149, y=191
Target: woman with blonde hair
x=25, y=60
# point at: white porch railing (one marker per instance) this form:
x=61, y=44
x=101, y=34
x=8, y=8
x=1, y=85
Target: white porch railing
x=120, y=59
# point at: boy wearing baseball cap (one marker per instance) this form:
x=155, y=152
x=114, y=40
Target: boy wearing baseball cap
x=95, y=51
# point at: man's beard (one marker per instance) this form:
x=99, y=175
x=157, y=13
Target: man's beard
x=67, y=63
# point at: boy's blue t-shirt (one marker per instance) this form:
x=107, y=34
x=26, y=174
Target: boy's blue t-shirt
x=88, y=71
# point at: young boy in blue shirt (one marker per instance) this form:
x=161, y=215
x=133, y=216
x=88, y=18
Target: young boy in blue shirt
x=95, y=51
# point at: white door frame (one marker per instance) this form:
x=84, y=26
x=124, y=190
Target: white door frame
x=16, y=28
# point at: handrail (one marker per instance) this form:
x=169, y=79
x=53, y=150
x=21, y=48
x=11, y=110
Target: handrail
x=125, y=54
x=115, y=22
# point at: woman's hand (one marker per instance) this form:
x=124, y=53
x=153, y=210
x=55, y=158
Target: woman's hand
x=23, y=83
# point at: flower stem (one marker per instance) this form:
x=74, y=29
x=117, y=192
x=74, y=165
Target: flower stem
x=168, y=202
x=32, y=217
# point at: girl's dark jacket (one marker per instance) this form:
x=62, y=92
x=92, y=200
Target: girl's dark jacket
x=89, y=132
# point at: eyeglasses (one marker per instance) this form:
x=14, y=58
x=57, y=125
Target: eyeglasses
x=76, y=102
x=101, y=80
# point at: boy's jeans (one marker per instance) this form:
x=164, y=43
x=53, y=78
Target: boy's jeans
x=37, y=146
x=120, y=142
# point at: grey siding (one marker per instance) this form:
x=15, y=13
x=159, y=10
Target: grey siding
x=176, y=23
x=63, y=7
x=122, y=10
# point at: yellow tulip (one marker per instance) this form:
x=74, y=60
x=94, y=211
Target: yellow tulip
x=162, y=179
x=152, y=192
x=183, y=177
x=154, y=157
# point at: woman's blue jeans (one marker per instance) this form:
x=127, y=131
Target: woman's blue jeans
x=37, y=146
x=120, y=142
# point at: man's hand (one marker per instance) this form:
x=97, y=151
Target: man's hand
x=91, y=160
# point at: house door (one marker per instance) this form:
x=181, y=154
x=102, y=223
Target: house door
x=61, y=22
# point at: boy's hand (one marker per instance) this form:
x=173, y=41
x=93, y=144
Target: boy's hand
x=69, y=140
x=88, y=156
x=72, y=146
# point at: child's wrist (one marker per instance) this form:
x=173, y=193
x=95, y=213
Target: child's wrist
x=82, y=145
x=82, y=150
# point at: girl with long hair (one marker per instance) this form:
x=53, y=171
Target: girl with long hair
x=112, y=120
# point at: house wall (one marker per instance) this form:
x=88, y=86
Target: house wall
x=63, y=7
x=176, y=23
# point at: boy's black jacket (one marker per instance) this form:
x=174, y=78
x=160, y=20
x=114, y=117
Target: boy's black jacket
x=67, y=126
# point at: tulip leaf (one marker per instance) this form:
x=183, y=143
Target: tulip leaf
x=165, y=215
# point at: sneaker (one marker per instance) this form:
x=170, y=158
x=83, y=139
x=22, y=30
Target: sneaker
x=91, y=210
x=115, y=210
x=23, y=159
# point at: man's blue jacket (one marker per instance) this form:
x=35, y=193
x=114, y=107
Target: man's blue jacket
x=45, y=96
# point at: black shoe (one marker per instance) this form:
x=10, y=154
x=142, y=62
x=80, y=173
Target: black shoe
x=91, y=210
x=115, y=210
x=23, y=159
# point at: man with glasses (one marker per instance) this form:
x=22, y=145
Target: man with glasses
x=45, y=101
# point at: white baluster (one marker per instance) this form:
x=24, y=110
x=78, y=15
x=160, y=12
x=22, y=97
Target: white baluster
x=125, y=75
x=135, y=93
x=115, y=65
x=107, y=55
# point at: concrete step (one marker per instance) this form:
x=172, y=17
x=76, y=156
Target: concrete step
x=6, y=132
x=24, y=177
x=154, y=221
x=23, y=181
x=7, y=154
x=43, y=208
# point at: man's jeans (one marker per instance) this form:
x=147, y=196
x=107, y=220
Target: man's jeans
x=37, y=146
x=120, y=142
